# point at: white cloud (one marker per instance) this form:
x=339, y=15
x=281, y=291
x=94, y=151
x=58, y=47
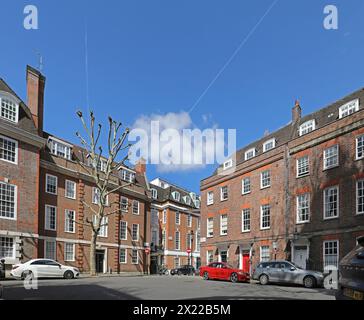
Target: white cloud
x=186, y=156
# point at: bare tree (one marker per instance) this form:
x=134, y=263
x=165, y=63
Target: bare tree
x=102, y=175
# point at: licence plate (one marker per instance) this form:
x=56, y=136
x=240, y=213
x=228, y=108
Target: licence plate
x=356, y=295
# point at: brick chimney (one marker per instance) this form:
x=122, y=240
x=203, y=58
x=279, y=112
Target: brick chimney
x=296, y=112
x=35, y=96
x=141, y=167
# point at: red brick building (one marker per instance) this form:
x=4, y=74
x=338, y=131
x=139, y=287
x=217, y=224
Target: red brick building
x=295, y=194
x=43, y=189
x=175, y=226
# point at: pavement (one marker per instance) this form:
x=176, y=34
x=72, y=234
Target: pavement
x=157, y=288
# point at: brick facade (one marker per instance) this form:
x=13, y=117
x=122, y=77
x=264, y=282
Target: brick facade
x=314, y=243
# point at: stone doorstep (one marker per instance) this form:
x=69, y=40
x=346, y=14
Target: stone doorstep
x=109, y=275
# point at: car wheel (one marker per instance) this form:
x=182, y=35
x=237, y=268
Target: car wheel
x=205, y=276
x=234, y=277
x=27, y=275
x=309, y=282
x=68, y=275
x=263, y=279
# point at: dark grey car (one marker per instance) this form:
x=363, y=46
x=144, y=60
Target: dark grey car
x=287, y=272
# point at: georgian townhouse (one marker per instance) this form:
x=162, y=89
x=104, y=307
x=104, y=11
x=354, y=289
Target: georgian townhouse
x=20, y=146
x=175, y=226
x=43, y=190
x=295, y=194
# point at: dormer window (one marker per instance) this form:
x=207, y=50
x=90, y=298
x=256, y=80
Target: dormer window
x=349, y=108
x=9, y=108
x=187, y=200
x=250, y=154
x=154, y=194
x=127, y=176
x=176, y=195
x=228, y=164
x=307, y=127
x=269, y=145
x=197, y=204
x=59, y=148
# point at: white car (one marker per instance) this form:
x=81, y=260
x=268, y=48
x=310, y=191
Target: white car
x=43, y=268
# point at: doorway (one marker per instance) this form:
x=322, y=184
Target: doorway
x=100, y=260
x=300, y=256
x=246, y=263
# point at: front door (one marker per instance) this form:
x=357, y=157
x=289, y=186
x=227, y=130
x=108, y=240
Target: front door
x=300, y=256
x=100, y=256
x=246, y=263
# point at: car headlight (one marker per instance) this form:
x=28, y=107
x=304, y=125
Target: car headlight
x=241, y=273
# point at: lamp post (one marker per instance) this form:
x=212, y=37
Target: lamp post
x=190, y=249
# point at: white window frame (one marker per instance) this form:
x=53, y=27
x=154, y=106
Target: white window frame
x=67, y=184
x=67, y=221
x=132, y=232
x=15, y=201
x=262, y=179
x=299, y=208
x=123, y=209
x=228, y=164
x=352, y=105
x=176, y=195
x=209, y=253
x=248, y=152
x=243, y=185
x=54, y=143
x=154, y=193
x=126, y=230
x=189, y=220
x=126, y=256
x=137, y=256
x=243, y=220
x=337, y=202
x=324, y=253
x=224, y=225
x=267, y=143
x=11, y=99
x=266, y=255
x=357, y=157
x=326, y=157
x=210, y=226
x=53, y=242
x=138, y=206
x=177, y=240
x=164, y=216
x=299, y=167
x=305, y=127
x=222, y=193
x=13, y=246
x=47, y=222
x=127, y=175
x=210, y=198
x=48, y=176
x=262, y=207
x=178, y=218
x=73, y=252
x=15, y=162
x=104, y=227
x=357, y=197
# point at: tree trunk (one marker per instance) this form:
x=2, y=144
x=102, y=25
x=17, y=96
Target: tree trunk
x=93, y=255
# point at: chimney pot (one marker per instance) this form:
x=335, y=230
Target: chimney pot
x=141, y=167
x=296, y=111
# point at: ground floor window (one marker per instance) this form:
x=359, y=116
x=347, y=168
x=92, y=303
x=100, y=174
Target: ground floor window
x=210, y=256
x=176, y=262
x=223, y=256
x=7, y=247
x=50, y=249
x=69, y=252
x=123, y=256
x=134, y=256
x=264, y=253
x=331, y=254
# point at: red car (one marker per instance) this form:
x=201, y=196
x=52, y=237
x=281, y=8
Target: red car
x=223, y=271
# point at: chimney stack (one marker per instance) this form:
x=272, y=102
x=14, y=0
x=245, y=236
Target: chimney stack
x=296, y=112
x=35, y=96
x=141, y=167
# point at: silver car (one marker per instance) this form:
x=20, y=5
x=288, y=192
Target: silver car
x=287, y=272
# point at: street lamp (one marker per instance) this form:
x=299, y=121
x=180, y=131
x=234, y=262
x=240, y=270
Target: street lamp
x=190, y=249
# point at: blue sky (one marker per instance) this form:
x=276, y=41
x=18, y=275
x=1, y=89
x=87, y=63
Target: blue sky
x=157, y=57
